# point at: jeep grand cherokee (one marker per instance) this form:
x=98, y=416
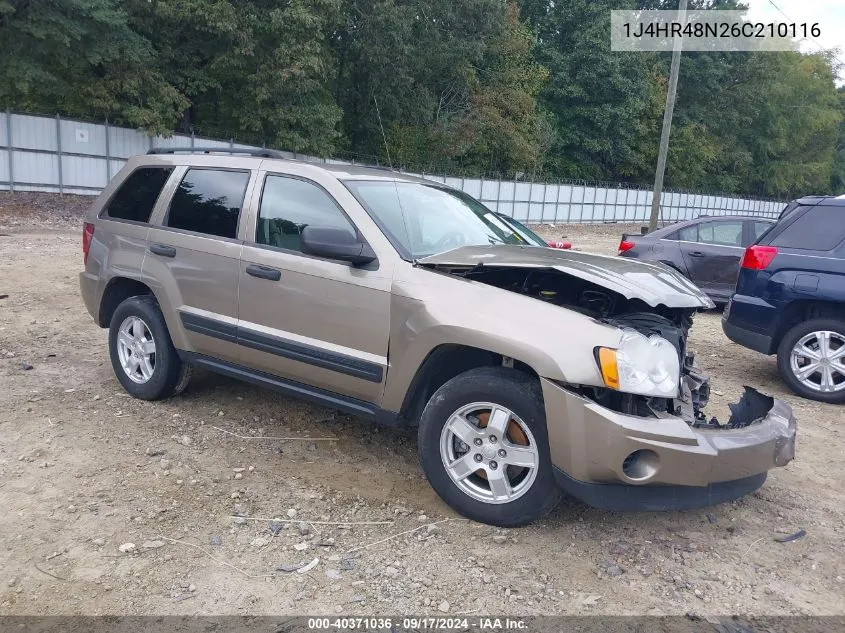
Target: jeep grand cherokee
x=527, y=370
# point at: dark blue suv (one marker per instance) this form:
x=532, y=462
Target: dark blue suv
x=790, y=297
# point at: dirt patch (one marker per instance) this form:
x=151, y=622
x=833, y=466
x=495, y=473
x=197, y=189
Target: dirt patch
x=24, y=211
x=84, y=470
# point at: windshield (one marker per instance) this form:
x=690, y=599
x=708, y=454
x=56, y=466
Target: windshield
x=422, y=219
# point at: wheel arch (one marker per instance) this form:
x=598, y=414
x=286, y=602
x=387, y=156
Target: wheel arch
x=802, y=310
x=118, y=290
x=443, y=363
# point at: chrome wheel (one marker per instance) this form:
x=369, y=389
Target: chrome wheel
x=818, y=361
x=489, y=452
x=136, y=349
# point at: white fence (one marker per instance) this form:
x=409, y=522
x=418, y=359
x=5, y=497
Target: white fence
x=58, y=155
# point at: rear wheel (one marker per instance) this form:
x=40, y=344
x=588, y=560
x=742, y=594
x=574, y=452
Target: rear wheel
x=142, y=354
x=811, y=359
x=484, y=447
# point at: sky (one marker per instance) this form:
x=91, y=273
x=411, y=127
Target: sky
x=830, y=14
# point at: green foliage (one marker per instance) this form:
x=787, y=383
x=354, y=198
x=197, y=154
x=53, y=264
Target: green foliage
x=758, y=123
x=602, y=103
x=837, y=178
x=82, y=58
x=454, y=83
x=462, y=86
x=259, y=70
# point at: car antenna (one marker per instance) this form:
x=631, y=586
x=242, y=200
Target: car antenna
x=390, y=162
x=383, y=135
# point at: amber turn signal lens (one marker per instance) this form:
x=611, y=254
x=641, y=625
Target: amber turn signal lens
x=609, y=370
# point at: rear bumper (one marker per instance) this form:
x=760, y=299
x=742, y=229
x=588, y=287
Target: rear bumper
x=593, y=449
x=749, y=321
x=89, y=288
x=747, y=338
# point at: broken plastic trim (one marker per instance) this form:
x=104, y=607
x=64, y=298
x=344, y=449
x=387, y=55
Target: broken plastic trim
x=752, y=407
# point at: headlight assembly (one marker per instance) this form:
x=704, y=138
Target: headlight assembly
x=648, y=366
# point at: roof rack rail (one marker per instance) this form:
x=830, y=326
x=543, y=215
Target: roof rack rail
x=260, y=153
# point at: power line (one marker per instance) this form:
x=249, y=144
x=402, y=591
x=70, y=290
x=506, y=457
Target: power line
x=813, y=39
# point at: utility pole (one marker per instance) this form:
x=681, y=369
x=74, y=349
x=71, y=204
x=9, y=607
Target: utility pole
x=667, y=121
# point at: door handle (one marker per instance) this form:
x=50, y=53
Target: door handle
x=264, y=272
x=163, y=250
x=696, y=254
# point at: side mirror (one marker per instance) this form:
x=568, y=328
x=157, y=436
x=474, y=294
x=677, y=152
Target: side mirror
x=335, y=243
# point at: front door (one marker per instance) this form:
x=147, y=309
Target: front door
x=194, y=255
x=321, y=322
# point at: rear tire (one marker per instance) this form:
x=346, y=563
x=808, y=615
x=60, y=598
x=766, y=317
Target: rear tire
x=796, y=351
x=514, y=494
x=142, y=355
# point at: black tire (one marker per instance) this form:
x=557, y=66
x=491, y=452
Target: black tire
x=788, y=342
x=169, y=374
x=522, y=395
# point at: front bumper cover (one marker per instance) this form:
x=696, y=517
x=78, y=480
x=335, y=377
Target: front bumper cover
x=687, y=467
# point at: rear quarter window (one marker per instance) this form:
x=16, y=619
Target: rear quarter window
x=820, y=228
x=135, y=198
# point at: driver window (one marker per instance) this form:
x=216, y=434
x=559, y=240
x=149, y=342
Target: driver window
x=288, y=205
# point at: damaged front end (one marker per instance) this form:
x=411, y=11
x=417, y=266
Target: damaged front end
x=633, y=433
x=694, y=390
x=649, y=298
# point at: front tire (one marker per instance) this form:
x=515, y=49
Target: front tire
x=142, y=355
x=811, y=360
x=484, y=447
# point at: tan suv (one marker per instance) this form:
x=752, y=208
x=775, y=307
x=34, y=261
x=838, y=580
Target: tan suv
x=405, y=302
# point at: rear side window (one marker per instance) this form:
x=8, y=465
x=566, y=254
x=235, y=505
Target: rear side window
x=136, y=197
x=288, y=205
x=720, y=233
x=688, y=234
x=820, y=228
x=209, y=201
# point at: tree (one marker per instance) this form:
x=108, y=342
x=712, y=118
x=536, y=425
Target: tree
x=259, y=70
x=603, y=104
x=756, y=123
x=837, y=180
x=507, y=130
x=452, y=84
x=81, y=58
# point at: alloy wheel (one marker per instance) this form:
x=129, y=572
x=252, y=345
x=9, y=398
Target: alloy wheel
x=136, y=349
x=818, y=361
x=489, y=453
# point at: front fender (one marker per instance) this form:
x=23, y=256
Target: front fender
x=555, y=342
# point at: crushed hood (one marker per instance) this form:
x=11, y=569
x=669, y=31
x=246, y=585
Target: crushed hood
x=655, y=284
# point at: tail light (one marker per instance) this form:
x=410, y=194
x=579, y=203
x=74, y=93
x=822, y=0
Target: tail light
x=758, y=257
x=626, y=245
x=87, y=236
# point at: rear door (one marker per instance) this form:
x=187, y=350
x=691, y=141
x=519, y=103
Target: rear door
x=712, y=251
x=193, y=257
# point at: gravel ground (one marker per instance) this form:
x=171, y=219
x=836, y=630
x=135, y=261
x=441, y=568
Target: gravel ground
x=117, y=506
